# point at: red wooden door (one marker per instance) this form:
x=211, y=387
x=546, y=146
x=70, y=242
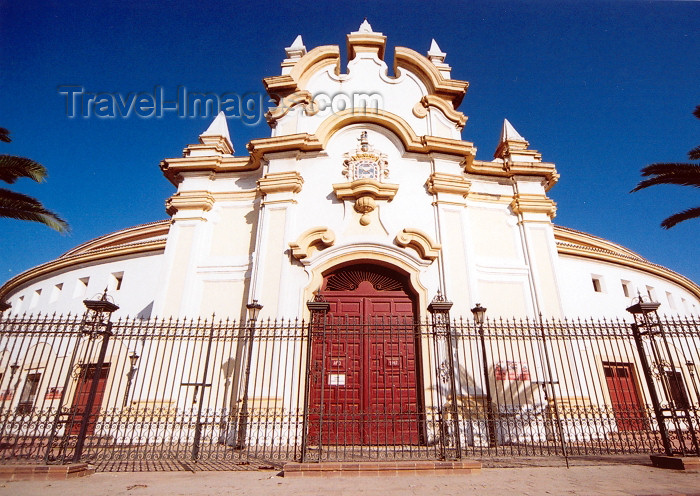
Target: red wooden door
x=80, y=399
x=363, y=367
x=629, y=415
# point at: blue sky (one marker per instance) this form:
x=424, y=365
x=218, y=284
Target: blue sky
x=599, y=88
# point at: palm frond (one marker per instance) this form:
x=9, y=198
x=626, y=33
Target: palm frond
x=671, y=221
x=5, y=135
x=12, y=168
x=696, y=112
x=694, y=154
x=670, y=173
x=15, y=205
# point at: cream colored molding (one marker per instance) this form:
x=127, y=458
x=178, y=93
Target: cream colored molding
x=135, y=234
x=374, y=43
x=605, y=255
x=189, y=200
x=546, y=170
x=281, y=182
x=572, y=236
x=440, y=182
x=308, y=65
x=321, y=237
x=420, y=110
x=451, y=90
x=538, y=204
x=365, y=192
x=66, y=262
x=419, y=241
x=243, y=195
x=288, y=102
x=398, y=126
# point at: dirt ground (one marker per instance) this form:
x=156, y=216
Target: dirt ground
x=589, y=480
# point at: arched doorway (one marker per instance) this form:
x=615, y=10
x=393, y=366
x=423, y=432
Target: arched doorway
x=364, y=361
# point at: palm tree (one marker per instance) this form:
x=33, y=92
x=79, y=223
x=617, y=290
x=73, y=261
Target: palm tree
x=15, y=205
x=675, y=173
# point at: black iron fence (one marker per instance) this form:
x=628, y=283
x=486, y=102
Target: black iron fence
x=172, y=391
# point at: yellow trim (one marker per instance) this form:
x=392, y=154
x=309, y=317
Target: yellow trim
x=420, y=110
x=315, y=236
x=311, y=63
x=452, y=90
x=140, y=233
x=538, y=204
x=366, y=42
x=602, y=252
x=280, y=182
x=79, y=259
x=189, y=200
x=440, y=182
x=426, y=247
x=365, y=187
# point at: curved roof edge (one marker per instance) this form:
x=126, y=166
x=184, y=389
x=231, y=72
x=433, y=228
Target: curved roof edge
x=580, y=244
x=143, y=238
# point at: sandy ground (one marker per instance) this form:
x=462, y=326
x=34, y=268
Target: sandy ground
x=578, y=480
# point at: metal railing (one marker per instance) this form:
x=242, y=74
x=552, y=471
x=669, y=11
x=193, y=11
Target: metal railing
x=169, y=391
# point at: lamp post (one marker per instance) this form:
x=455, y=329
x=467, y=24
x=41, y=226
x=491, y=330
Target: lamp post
x=96, y=322
x=691, y=371
x=479, y=313
x=648, y=324
x=13, y=370
x=133, y=359
x=4, y=305
x=253, y=312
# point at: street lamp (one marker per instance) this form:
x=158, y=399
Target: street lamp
x=479, y=313
x=253, y=312
x=4, y=305
x=96, y=321
x=133, y=359
x=691, y=371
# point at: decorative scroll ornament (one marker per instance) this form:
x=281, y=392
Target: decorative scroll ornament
x=366, y=162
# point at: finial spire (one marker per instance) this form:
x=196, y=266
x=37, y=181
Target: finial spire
x=508, y=133
x=365, y=27
x=435, y=54
x=297, y=49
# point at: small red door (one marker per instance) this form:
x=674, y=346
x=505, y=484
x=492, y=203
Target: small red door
x=87, y=374
x=363, y=365
x=629, y=415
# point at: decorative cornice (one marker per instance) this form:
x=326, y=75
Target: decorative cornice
x=574, y=237
x=66, y=262
x=321, y=237
x=451, y=90
x=281, y=182
x=537, y=204
x=140, y=233
x=366, y=43
x=546, y=170
x=398, y=126
x=605, y=255
x=419, y=241
x=317, y=59
x=440, y=182
x=420, y=110
x=189, y=200
x=365, y=187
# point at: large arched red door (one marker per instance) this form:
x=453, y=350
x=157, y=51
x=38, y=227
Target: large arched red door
x=364, y=381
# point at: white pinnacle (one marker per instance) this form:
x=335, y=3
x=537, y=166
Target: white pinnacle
x=219, y=127
x=508, y=133
x=365, y=27
x=296, y=49
x=435, y=53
